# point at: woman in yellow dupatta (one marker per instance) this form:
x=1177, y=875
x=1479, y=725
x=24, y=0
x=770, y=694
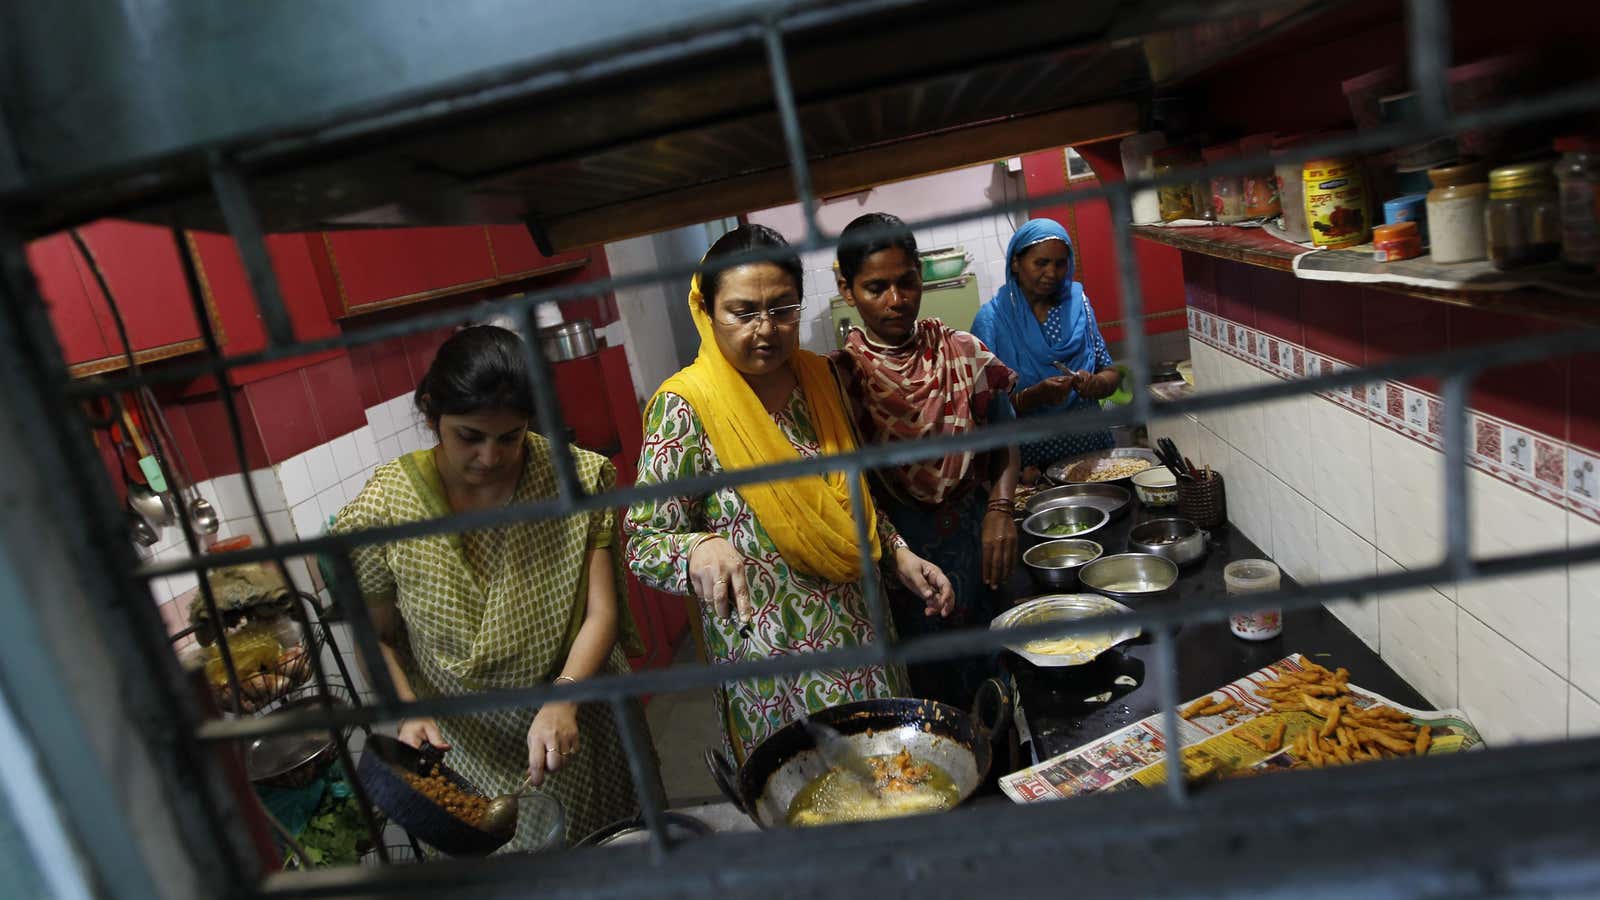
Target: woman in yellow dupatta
x=530, y=603
x=782, y=556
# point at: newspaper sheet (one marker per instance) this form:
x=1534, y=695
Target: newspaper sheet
x=1135, y=756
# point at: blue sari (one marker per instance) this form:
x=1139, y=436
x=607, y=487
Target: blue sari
x=1069, y=335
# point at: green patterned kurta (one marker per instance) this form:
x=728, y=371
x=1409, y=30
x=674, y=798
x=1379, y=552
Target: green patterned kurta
x=795, y=612
x=499, y=609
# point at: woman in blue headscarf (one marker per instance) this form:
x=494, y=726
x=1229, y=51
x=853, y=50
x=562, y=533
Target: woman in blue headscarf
x=1042, y=326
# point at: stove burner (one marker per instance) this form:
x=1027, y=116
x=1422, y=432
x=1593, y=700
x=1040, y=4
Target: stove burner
x=1075, y=691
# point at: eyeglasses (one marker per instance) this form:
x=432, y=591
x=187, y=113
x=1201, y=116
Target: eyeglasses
x=779, y=316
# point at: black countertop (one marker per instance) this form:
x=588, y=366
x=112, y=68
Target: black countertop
x=1055, y=713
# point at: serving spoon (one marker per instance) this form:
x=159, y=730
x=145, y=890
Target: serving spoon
x=501, y=816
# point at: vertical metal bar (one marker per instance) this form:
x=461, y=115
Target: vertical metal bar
x=1457, y=525
x=547, y=408
x=789, y=117
x=871, y=583
x=1428, y=37
x=208, y=337
x=347, y=591
x=636, y=746
x=1121, y=201
x=1166, y=674
x=245, y=226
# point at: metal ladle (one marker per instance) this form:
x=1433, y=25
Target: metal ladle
x=202, y=515
x=501, y=816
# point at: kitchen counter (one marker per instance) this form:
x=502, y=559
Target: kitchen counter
x=1054, y=715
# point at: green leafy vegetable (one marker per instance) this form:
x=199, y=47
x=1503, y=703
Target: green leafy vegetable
x=335, y=831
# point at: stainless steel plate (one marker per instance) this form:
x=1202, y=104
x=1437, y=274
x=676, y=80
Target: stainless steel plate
x=1064, y=608
x=1074, y=469
x=1111, y=498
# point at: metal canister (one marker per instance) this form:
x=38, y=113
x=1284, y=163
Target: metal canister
x=1336, y=203
x=569, y=340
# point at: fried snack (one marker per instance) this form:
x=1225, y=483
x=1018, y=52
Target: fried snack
x=1321, y=690
x=1323, y=708
x=1193, y=709
x=1277, y=736
x=469, y=808
x=1333, y=722
x=1424, y=740
x=1221, y=706
x=1295, y=706
x=1387, y=740
x=1251, y=737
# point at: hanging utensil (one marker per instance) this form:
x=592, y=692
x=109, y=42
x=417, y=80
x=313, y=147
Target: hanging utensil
x=152, y=494
x=203, y=516
x=1174, y=459
x=144, y=534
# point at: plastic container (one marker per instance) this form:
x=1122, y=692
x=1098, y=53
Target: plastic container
x=1253, y=576
x=1364, y=91
x=1291, y=191
x=1402, y=240
x=1455, y=213
x=1408, y=208
x=1137, y=162
x=1175, y=201
x=1227, y=191
x=1578, y=174
x=1260, y=187
x=1523, y=216
x=1336, y=203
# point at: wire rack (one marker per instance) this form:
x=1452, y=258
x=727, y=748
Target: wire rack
x=961, y=838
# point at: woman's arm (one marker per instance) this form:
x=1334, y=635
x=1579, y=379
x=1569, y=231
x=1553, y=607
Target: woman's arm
x=553, y=737
x=663, y=534
x=391, y=633
x=999, y=523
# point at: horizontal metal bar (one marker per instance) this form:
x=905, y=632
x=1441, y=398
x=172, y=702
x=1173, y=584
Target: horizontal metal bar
x=943, y=645
x=1030, y=428
x=1568, y=100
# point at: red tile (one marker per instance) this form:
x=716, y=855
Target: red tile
x=625, y=413
x=209, y=421
x=332, y=385
x=391, y=369
x=1583, y=425
x=1199, y=281
x=420, y=350
x=366, y=377
x=1277, y=301
x=1331, y=314
x=1236, y=292
x=1398, y=327
x=1533, y=395
x=284, y=413
x=188, y=449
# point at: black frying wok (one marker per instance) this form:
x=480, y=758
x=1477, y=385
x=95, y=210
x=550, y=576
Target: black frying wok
x=780, y=766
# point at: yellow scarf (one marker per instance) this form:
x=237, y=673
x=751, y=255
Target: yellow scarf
x=809, y=518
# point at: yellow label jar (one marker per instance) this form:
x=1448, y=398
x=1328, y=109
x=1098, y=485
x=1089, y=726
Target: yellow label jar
x=1336, y=203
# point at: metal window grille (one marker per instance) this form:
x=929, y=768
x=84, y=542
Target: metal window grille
x=1357, y=812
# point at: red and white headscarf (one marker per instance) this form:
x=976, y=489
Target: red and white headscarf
x=940, y=381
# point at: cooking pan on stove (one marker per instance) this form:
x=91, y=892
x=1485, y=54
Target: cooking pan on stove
x=788, y=760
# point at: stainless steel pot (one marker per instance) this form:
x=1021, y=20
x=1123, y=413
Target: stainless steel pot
x=1130, y=577
x=1088, y=519
x=567, y=341
x=1177, y=539
x=1054, y=565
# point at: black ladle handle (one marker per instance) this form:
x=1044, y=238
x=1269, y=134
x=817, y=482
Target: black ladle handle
x=1001, y=703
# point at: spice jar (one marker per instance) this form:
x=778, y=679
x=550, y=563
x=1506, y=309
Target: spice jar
x=1260, y=186
x=1175, y=201
x=1396, y=241
x=1137, y=162
x=1523, y=217
x=1578, y=173
x=1408, y=208
x=1227, y=191
x=1455, y=213
x=1291, y=191
x=1253, y=576
x=1336, y=203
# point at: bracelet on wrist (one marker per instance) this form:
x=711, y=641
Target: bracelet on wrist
x=567, y=678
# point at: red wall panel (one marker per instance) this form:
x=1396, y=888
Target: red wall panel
x=141, y=265
x=284, y=413
x=67, y=301
x=335, y=397
x=378, y=265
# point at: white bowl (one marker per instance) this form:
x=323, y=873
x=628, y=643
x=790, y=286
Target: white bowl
x=1156, y=487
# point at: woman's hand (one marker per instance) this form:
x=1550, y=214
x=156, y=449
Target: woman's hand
x=717, y=572
x=1098, y=385
x=552, y=739
x=926, y=580
x=999, y=547
x=413, y=732
x=1051, y=391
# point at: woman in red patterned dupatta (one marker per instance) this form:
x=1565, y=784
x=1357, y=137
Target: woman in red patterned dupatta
x=910, y=379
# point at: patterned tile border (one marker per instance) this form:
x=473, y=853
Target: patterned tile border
x=1545, y=466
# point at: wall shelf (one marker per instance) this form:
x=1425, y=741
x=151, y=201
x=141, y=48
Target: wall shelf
x=1255, y=247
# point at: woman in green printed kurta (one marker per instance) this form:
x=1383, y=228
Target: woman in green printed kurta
x=784, y=556
x=501, y=608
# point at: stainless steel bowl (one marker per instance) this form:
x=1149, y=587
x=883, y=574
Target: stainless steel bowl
x=568, y=341
x=1054, y=565
x=1109, y=497
x=1177, y=539
x=1089, y=519
x=1064, y=608
x=1130, y=576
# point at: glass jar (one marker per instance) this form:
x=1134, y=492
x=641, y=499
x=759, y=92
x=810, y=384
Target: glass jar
x=1578, y=172
x=1396, y=241
x=1336, y=203
x=1227, y=191
x=1291, y=191
x=1523, y=217
x=1176, y=201
x=1137, y=151
x=1455, y=213
x=1260, y=186
x=1253, y=576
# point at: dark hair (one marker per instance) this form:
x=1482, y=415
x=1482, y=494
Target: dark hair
x=742, y=240
x=883, y=231
x=478, y=369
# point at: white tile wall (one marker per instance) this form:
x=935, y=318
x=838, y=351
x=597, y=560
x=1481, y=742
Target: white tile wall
x=1583, y=599
x=1294, y=531
x=1288, y=425
x=1341, y=454
x=1408, y=496
x=1506, y=693
x=294, y=475
x=1418, y=630
x=1343, y=554
x=1583, y=714
x=1530, y=610
x=324, y=474
x=1249, y=499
